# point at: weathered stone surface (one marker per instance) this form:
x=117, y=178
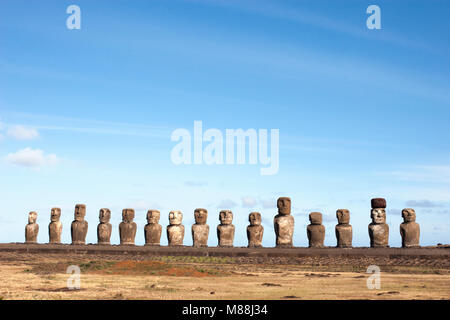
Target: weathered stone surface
x=409, y=229
x=127, y=228
x=225, y=230
x=32, y=228
x=104, y=228
x=200, y=230
x=79, y=227
x=255, y=230
x=343, y=230
x=378, y=229
x=175, y=231
x=55, y=226
x=378, y=203
x=315, y=230
x=284, y=223
x=153, y=229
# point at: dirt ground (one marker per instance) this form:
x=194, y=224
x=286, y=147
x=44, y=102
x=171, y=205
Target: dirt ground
x=33, y=276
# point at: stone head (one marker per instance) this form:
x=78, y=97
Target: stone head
x=343, y=216
x=32, y=217
x=175, y=218
x=80, y=212
x=153, y=216
x=409, y=215
x=315, y=218
x=55, y=214
x=104, y=215
x=284, y=205
x=200, y=215
x=254, y=218
x=127, y=215
x=378, y=216
x=226, y=217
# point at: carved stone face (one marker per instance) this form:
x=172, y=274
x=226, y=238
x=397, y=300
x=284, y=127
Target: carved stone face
x=284, y=205
x=32, y=217
x=226, y=217
x=55, y=214
x=127, y=215
x=315, y=218
x=104, y=215
x=201, y=215
x=153, y=216
x=80, y=212
x=255, y=218
x=409, y=215
x=343, y=216
x=378, y=216
x=175, y=218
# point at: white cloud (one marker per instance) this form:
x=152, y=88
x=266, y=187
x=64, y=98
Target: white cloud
x=430, y=173
x=227, y=204
x=143, y=205
x=196, y=183
x=268, y=204
x=32, y=158
x=23, y=133
x=248, y=202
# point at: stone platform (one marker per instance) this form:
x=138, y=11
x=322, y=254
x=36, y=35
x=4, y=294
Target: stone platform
x=267, y=252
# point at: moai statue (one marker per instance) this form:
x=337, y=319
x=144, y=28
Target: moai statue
x=104, y=228
x=284, y=223
x=378, y=229
x=55, y=226
x=315, y=230
x=200, y=230
x=175, y=229
x=255, y=230
x=127, y=228
x=79, y=226
x=343, y=230
x=32, y=228
x=409, y=229
x=153, y=229
x=225, y=230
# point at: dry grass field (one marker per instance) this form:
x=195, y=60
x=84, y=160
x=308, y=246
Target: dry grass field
x=25, y=276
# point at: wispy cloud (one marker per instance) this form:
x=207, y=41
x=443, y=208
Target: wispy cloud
x=427, y=173
x=191, y=183
x=249, y=202
x=227, y=204
x=32, y=158
x=20, y=132
x=422, y=204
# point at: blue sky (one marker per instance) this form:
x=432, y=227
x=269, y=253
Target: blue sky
x=89, y=113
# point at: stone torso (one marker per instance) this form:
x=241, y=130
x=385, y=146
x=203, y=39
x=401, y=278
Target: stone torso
x=316, y=235
x=225, y=234
x=175, y=235
x=152, y=232
x=344, y=235
x=54, y=231
x=200, y=233
x=79, y=230
x=410, y=232
x=284, y=229
x=127, y=231
x=31, y=232
x=104, y=233
x=255, y=235
x=379, y=235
